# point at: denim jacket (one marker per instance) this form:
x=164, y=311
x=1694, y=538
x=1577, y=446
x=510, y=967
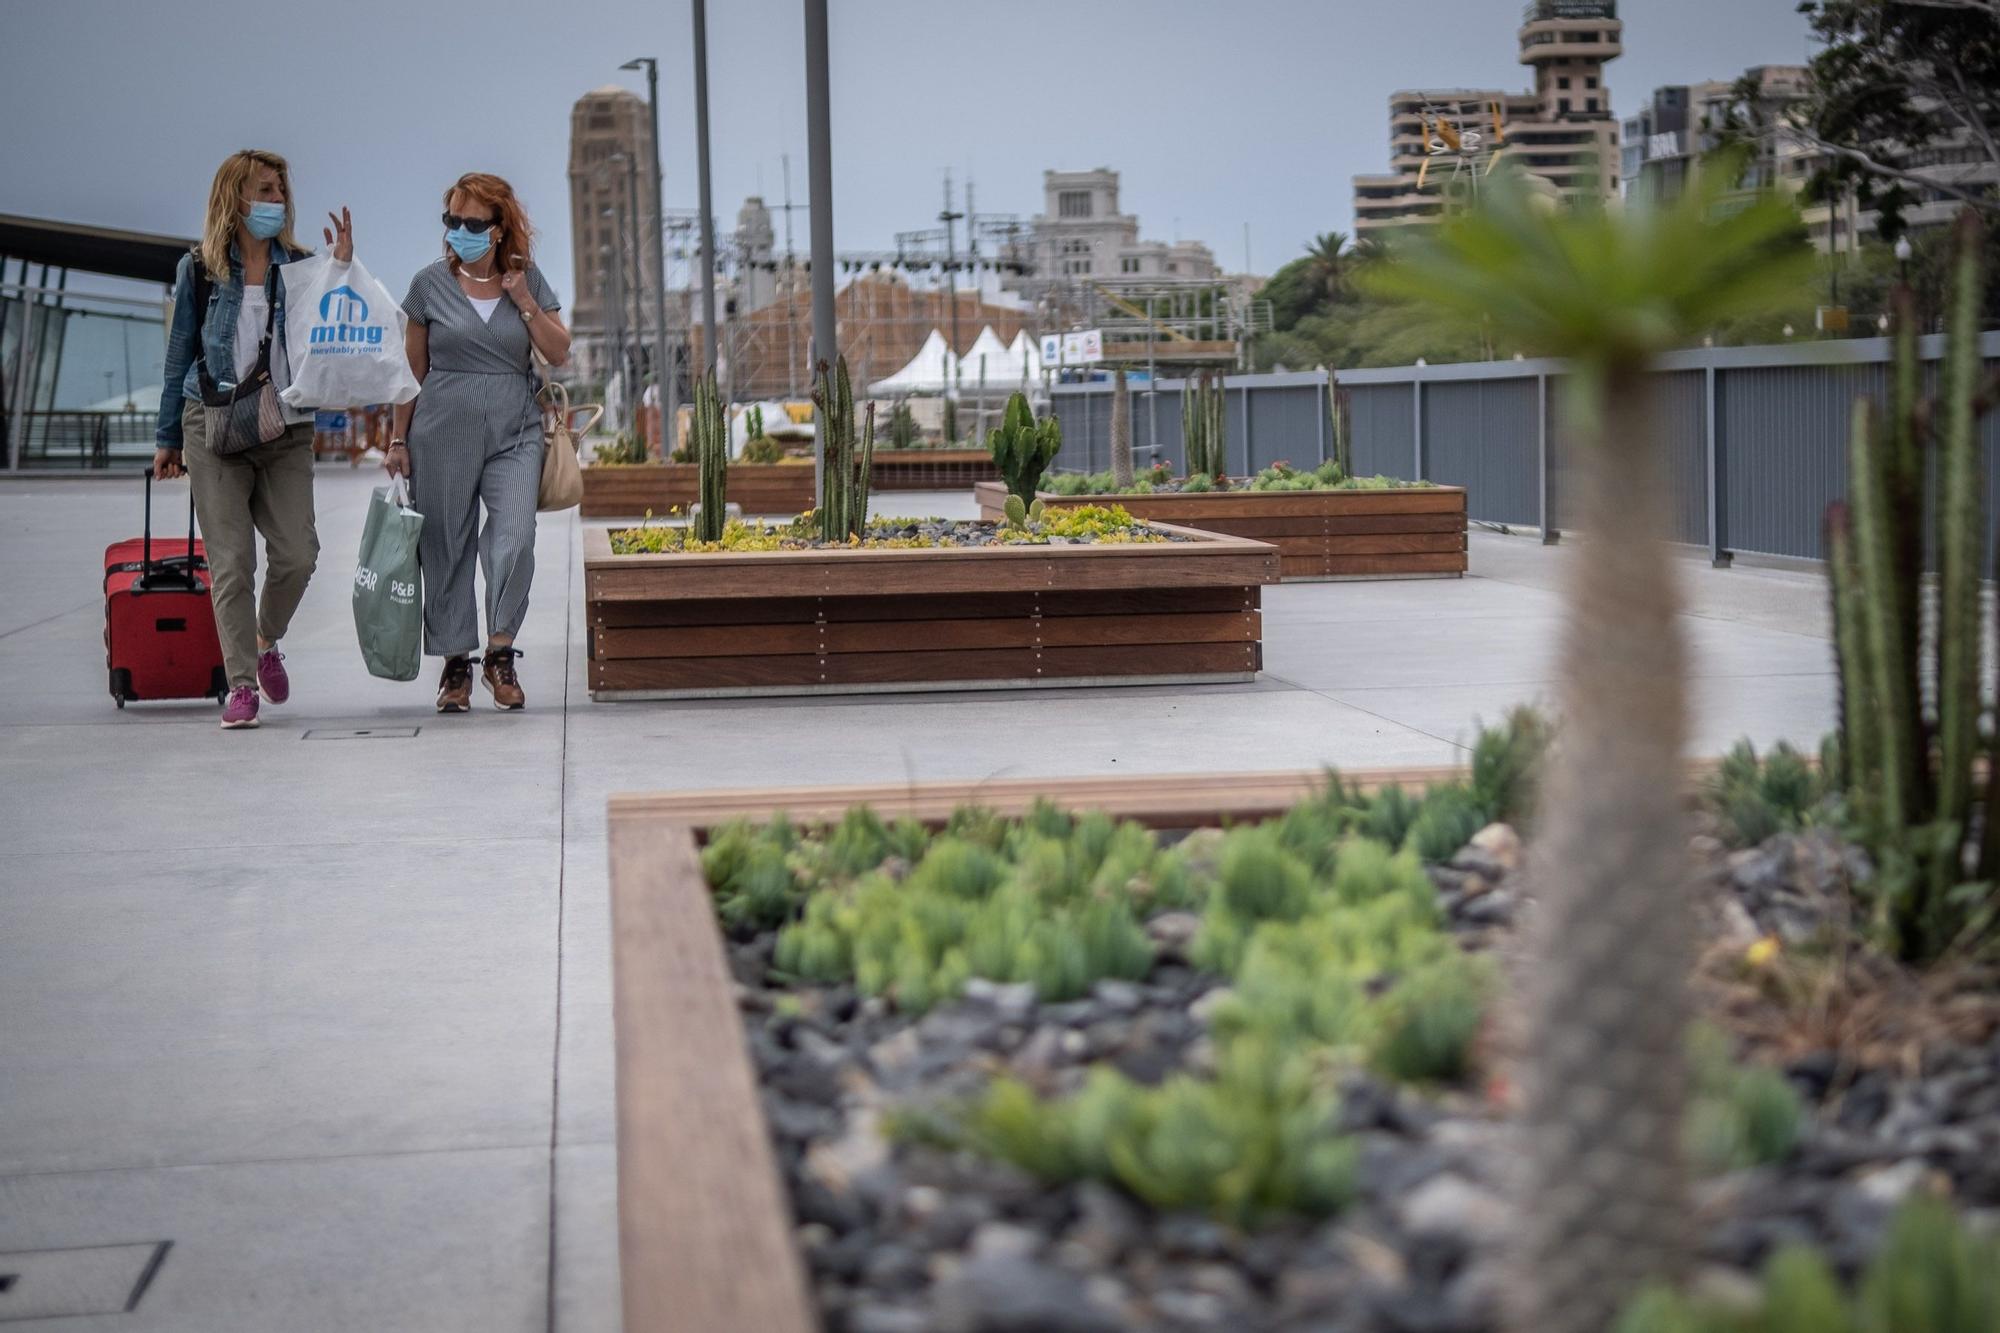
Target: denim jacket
x=182, y=382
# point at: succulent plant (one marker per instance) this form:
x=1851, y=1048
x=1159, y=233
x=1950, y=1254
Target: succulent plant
x=847, y=472
x=709, y=440
x=1909, y=765
x=1023, y=448
x=1121, y=433
x=902, y=426
x=1933, y=1273
x=1607, y=953
x=1202, y=427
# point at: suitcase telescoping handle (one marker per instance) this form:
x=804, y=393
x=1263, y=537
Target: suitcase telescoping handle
x=186, y=574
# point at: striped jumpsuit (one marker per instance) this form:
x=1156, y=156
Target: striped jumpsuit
x=475, y=438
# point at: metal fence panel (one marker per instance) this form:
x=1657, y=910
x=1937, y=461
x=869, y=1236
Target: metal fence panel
x=1383, y=418
x=1285, y=426
x=1481, y=434
x=1781, y=416
x=1784, y=460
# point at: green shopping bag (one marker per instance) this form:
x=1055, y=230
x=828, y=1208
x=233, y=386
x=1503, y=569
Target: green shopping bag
x=388, y=598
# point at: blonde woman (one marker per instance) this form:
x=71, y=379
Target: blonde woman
x=473, y=437
x=228, y=320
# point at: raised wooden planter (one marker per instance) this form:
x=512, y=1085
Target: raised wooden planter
x=630, y=490
x=705, y=1232
x=859, y=621
x=932, y=469
x=1319, y=534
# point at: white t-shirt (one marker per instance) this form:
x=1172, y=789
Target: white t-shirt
x=485, y=305
x=250, y=318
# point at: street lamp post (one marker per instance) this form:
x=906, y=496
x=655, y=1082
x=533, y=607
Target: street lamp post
x=709, y=350
x=663, y=359
x=819, y=146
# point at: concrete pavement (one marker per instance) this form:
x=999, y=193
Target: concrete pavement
x=332, y=1015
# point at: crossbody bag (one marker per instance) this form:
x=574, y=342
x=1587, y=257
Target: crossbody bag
x=247, y=413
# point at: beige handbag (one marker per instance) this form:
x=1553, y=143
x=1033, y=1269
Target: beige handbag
x=562, y=475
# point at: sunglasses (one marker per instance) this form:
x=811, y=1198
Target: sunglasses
x=473, y=225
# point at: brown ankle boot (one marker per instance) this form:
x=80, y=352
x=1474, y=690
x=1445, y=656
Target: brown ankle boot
x=455, y=685
x=500, y=679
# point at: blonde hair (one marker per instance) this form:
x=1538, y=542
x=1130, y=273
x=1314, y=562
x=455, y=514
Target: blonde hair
x=225, y=206
x=490, y=191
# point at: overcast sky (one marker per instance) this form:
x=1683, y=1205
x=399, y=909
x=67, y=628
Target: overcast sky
x=1217, y=112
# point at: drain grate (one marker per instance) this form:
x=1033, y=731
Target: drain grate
x=362, y=734
x=81, y=1280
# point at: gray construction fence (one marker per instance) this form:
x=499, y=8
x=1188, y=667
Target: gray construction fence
x=1757, y=436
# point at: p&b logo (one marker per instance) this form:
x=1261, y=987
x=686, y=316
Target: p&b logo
x=343, y=322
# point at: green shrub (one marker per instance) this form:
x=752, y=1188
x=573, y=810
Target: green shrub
x=1933, y=1275
x=762, y=449
x=1446, y=820
x=1506, y=763
x=1741, y=1115
x=1255, y=1141
x=1757, y=798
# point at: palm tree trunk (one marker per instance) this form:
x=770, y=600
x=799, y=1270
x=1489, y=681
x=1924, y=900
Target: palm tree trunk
x=1610, y=940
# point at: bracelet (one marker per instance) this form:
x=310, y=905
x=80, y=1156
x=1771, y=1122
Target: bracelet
x=399, y=444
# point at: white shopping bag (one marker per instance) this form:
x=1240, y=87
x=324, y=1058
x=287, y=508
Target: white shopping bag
x=344, y=337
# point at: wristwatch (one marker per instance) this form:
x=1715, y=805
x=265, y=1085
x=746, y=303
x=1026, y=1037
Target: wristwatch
x=397, y=443
x=528, y=316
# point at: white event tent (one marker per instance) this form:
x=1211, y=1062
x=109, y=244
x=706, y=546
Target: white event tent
x=934, y=369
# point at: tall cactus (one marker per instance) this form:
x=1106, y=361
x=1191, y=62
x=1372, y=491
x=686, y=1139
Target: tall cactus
x=1338, y=423
x=1121, y=434
x=1908, y=763
x=1023, y=448
x=847, y=474
x=710, y=442
x=902, y=426
x=1202, y=426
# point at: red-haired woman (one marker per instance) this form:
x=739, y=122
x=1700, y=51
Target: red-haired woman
x=474, y=435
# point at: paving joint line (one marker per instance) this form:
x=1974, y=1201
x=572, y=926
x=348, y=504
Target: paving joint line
x=562, y=874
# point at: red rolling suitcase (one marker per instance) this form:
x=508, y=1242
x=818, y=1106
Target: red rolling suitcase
x=159, y=625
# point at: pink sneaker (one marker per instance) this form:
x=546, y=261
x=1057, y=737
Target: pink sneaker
x=241, y=710
x=271, y=677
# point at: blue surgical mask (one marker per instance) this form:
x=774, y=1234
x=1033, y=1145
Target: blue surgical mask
x=266, y=220
x=469, y=246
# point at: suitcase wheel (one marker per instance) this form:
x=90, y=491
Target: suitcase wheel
x=218, y=685
x=121, y=685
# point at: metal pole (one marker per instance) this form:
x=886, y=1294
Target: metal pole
x=951, y=286
x=631, y=237
x=1417, y=420
x=708, y=345
x=1152, y=388
x=819, y=195
x=615, y=326
x=1719, y=554
x=663, y=358
x=1549, y=534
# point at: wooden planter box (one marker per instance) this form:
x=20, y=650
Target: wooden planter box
x=932, y=469
x=859, y=621
x=1319, y=534
x=629, y=490
x=705, y=1231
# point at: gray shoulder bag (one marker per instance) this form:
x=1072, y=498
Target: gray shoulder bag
x=248, y=413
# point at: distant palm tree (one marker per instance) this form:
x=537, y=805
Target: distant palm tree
x=1607, y=954
x=1328, y=256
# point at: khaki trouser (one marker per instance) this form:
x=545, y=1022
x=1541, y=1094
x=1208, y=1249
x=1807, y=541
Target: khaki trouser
x=268, y=490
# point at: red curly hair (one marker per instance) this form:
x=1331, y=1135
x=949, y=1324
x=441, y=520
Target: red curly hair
x=516, y=248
